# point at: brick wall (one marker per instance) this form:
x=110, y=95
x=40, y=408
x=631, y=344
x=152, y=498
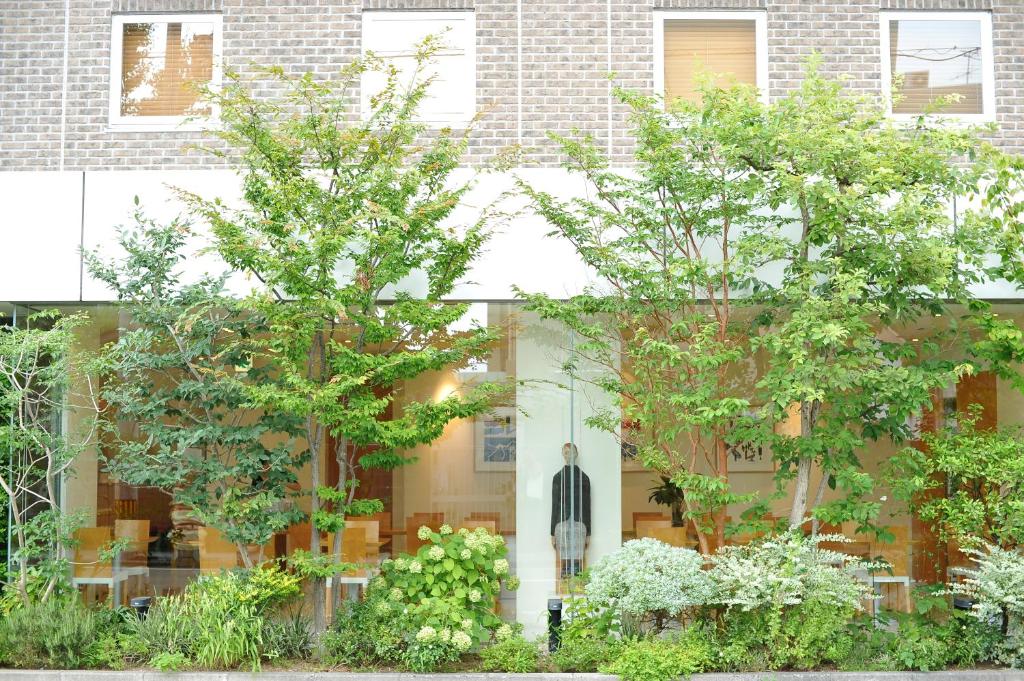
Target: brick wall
x=542, y=66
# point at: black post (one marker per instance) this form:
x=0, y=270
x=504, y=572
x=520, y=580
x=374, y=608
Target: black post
x=554, y=623
x=141, y=605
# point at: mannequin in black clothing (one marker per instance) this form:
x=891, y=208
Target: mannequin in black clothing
x=570, y=512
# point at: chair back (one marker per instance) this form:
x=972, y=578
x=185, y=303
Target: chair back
x=414, y=523
x=639, y=516
x=371, y=539
x=897, y=553
x=90, y=540
x=474, y=516
x=644, y=528
x=215, y=552
x=136, y=532
x=353, y=547
x=298, y=537
x=673, y=536
x=489, y=525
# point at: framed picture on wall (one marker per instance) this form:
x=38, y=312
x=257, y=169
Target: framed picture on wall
x=495, y=440
x=749, y=457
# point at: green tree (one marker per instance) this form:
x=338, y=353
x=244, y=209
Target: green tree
x=179, y=373
x=966, y=482
x=39, y=364
x=345, y=226
x=671, y=241
x=763, y=254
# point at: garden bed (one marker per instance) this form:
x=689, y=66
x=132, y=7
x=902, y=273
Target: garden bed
x=141, y=675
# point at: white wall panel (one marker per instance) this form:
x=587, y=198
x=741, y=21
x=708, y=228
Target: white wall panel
x=40, y=234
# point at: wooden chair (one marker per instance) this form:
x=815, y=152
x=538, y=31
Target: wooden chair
x=489, y=525
x=353, y=550
x=371, y=541
x=644, y=528
x=89, y=570
x=134, y=559
x=673, y=536
x=298, y=537
x=898, y=555
x=639, y=516
x=215, y=552
x=475, y=516
x=414, y=523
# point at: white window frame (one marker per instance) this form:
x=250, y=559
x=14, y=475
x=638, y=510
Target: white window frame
x=988, y=96
x=160, y=123
x=468, y=109
x=760, y=19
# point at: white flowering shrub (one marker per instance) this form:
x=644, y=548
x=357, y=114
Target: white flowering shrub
x=786, y=602
x=787, y=570
x=649, y=583
x=997, y=589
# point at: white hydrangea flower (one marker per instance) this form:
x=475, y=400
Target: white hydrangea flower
x=446, y=529
x=401, y=564
x=512, y=583
x=415, y=567
x=503, y=632
x=396, y=594
x=461, y=641
x=435, y=552
x=383, y=607
x=466, y=554
x=377, y=582
x=475, y=595
x=423, y=533
x=501, y=566
x=445, y=635
x=426, y=634
x=467, y=623
x=463, y=531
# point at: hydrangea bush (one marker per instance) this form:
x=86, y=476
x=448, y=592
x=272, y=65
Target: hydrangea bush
x=649, y=583
x=450, y=587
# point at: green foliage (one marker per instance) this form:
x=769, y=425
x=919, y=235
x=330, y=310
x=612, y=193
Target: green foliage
x=288, y=638
x=218, y=622
x=512, y=655
x=337, y=210
x=169, y=662
x=181, y=372
x=693, y=651
x=55, y=634
x=453, y=580
x=367, y=633
x=849, y=212
x=38, y=363
x=996, y=588
x=982, y=474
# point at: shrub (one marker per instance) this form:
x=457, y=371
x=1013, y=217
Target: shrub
x=585, y=654
x=454, y=579
x=512, y=655
x=219, y=621
x=649, y=583
x=368, y=632
x=289, y=638
x=657, y=659
x=56, y=634
x=997, y=589
x=786, y=602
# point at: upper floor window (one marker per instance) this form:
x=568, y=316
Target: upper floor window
x=392, y=35
x=158, y=63
x=730, y=46
x=940, y=61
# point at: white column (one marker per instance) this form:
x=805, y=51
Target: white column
x=555, y=412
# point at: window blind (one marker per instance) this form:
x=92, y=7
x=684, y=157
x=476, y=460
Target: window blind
x=161, y=64
x=721, y=47
x=936, y=59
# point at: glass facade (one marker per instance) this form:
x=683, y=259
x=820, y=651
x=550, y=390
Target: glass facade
x=561, y=493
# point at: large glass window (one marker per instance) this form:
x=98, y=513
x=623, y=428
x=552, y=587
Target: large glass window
x=938, y=61
x=728, y=46
x=158, y=64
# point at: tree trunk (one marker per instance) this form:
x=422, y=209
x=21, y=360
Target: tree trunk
x=722, y=455
x=800, y=487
